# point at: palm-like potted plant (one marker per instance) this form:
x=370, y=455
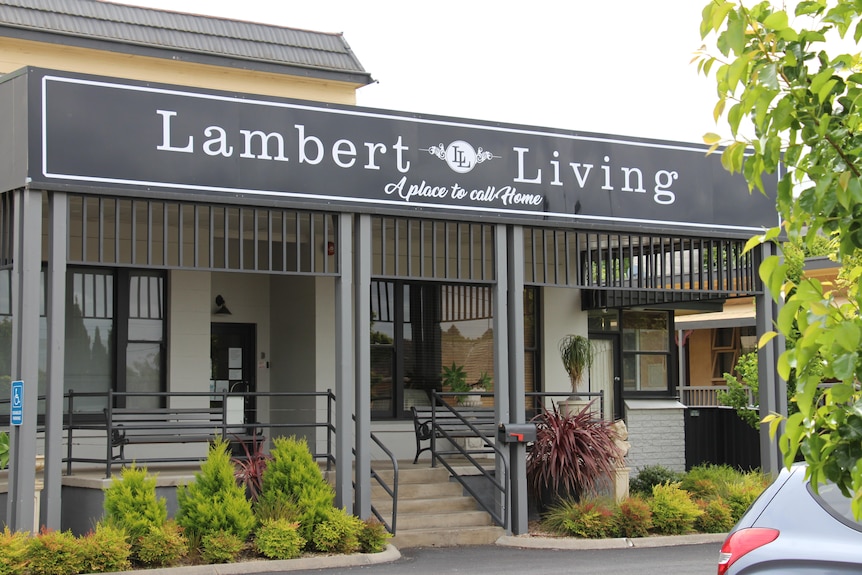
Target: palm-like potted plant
x=574, y=453
x=455, y=378
x=576, y=352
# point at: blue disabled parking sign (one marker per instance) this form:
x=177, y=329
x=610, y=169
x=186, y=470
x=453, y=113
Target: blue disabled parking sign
x=17, y=407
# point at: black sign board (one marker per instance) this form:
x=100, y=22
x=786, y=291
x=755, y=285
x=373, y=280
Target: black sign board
x=117, y=134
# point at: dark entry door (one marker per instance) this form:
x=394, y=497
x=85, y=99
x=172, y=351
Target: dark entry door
x=232, y=354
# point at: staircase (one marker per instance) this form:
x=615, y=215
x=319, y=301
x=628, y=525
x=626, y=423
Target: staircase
x=433, y=511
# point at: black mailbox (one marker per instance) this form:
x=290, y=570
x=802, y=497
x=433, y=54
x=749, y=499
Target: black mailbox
x=516, y=432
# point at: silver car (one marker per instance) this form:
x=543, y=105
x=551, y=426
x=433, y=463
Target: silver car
x=791, y=530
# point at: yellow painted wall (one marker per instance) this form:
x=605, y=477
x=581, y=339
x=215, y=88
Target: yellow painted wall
x=15, y=54
x=700, y=357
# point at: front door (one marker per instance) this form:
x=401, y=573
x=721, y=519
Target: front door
x=604, y=373
x=232, y=354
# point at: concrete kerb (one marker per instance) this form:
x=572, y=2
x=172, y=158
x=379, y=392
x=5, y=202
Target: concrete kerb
x=392, y=554
x=272, y=566
x=563, y=543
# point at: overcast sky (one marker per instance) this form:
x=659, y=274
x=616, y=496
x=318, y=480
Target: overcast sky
x=609, y=66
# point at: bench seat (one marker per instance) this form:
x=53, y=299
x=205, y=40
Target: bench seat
x=167, y=425
x=441, y=423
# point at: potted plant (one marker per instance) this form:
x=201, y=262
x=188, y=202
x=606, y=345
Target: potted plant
x=576, y=352
x=573, y=454
x=484, y=383
x=454, y=378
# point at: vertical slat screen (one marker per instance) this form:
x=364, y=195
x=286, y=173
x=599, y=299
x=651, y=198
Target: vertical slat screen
x=161, y=234
x=643, y=262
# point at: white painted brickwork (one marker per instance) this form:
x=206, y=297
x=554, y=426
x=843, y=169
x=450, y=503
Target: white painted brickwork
x=656, y=434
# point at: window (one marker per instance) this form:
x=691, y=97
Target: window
x=145, y=338
x=646, y=351
x=106, y=310
x=417, y=328
x=89, y=354
x=728, y=343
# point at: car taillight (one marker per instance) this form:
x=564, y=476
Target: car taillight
x=741, y=542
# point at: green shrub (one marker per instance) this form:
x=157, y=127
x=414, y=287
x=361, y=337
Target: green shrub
x=214, y=502
x=650, y=476
x=220, y=547
x=707, y=481
x=54, y=553
x=673, y=511
x=13, y=550
x=339, y=533
x=373, y=536
x=131, y=502
x=590, y=518
x=162, y=546
x=293, y=477
x=279, y=539
x=106, y=549
x=4, y=449
x=705, y=489
x=741, y=494
x=632, y=517
x=277, y=508
x=717, y=517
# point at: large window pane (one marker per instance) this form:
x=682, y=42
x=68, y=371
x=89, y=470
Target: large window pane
x=466, y=330
x=645, y=331
x=143, y=373
x=646, y=351
x=89, y=337
x=382, y=347
x=645, y=373
x=417, y=329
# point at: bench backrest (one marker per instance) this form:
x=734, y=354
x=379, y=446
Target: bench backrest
x=153, y=421
x=482, y=418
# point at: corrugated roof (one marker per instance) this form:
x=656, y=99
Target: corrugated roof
x=189, y=33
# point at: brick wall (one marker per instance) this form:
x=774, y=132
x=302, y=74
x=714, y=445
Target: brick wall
x=656, y=434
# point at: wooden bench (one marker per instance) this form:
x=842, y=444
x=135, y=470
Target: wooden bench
x=430, y=424
x=164, y=425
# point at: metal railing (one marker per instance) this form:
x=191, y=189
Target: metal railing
x=706, y=396
x=92, y=420
x=499, y=486
x=534, y=407
x=391, y=491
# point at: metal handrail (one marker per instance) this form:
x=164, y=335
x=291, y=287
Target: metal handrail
x=502, y=519
x=391, y=491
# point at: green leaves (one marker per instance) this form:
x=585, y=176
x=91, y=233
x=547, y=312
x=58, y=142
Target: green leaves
x=790, y=105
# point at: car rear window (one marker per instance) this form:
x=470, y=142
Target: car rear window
x=830, y=498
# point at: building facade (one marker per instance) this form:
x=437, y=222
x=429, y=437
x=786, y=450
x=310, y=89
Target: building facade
x=184, y=211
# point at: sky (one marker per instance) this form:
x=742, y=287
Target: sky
x=620, y=67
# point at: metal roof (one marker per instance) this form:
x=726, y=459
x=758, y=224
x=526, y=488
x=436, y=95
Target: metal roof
x=196, y=38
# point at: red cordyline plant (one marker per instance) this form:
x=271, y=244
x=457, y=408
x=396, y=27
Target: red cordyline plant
x=572, y=452
x=249, y=469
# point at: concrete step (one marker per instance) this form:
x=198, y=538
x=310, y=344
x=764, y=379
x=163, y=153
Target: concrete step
x=431, y=490
x=412, y=475
x=446, y=537
x=448, y=505
x=412, y=521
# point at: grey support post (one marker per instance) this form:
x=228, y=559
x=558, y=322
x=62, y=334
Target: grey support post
x=773, y=389
x=56, y=291
x=502, y=376
x=344, y=371
x=517, y=408
x=362, y=314
x=26, y=272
